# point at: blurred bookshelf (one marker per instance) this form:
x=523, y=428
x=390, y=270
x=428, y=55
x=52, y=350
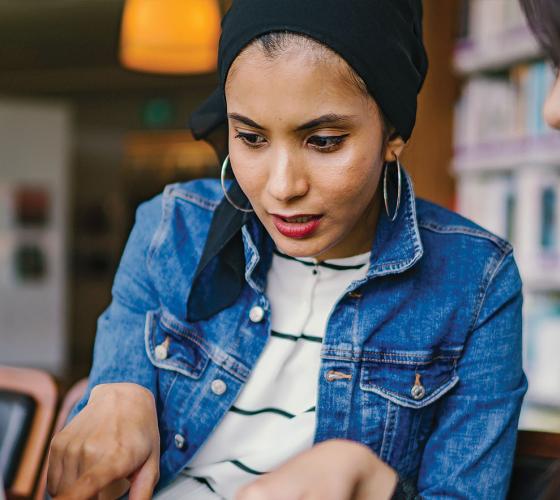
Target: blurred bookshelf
x=507, y=168
x=498, y=51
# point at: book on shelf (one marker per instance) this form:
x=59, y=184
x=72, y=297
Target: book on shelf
x=504, y=108
x=538, y=224
x=523, y=209
x=481, y=20
x=489, y=201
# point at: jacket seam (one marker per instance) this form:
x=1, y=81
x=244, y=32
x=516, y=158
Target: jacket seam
x=385, y=438
x=457, y=229
x=401, y=360
x=159, y=234
x=486, y=286
x=170, y=390
x=193, y=198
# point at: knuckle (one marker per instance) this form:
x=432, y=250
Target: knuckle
x=90, y=450
x=73, y=450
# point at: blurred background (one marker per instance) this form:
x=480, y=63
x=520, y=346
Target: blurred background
x=84, y=140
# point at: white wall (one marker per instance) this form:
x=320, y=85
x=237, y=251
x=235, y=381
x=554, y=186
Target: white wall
x=34, y=150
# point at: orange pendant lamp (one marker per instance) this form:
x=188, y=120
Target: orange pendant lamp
x=170, y=36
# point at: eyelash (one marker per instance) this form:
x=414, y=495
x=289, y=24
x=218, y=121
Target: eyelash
x=336, y=141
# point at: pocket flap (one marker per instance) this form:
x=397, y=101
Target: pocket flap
x=172, y=345
x=411, y=379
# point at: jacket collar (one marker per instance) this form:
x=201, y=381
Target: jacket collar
x=237, y=242
x=397, y=244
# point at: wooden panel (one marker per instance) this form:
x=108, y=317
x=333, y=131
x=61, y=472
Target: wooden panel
x=429, y=152
x=538, y=444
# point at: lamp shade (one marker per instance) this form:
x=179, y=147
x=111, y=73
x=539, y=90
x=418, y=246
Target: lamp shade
x=170, y=36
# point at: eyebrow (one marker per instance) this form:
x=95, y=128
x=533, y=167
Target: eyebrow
x=328, y=119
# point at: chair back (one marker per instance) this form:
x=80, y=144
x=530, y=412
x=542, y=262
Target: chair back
x=535, y=473
x=28, y=400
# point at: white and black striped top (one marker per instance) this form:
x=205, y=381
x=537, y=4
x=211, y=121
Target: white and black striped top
x=274, y=417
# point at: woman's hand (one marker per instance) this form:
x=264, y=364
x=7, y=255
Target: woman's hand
x=113, y=443
x=332, y=470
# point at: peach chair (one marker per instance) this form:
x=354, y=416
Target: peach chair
x=41, y=389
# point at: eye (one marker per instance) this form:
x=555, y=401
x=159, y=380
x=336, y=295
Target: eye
x=251, y=140
x=326, y=144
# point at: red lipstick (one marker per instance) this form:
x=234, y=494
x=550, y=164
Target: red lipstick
x=296, y=226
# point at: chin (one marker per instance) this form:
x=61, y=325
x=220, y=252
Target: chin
x=300, y=248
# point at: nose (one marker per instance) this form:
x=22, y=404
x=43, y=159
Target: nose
x=552, y=106
x=287, y=179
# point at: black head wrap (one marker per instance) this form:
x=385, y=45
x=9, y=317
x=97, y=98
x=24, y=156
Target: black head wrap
x=380, y=39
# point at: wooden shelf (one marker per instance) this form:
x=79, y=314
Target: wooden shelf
x=539, y=418
x=513, y=46
x=508, y=155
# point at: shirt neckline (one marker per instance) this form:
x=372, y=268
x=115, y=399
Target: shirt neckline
x=342, y=263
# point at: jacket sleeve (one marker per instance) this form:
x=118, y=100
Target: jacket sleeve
x=119, y=353
x=470, y=452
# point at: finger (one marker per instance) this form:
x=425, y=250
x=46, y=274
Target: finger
x=55, y=465
x=70, y=468
x=95, y=480
x=143, y=482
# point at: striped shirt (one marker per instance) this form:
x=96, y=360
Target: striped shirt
x=273, y=418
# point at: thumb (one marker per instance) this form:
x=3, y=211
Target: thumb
x=143, y=481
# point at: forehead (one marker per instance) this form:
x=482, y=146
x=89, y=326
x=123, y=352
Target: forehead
x=293, y=84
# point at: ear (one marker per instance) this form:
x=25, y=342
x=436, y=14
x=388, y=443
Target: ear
x=394, y=148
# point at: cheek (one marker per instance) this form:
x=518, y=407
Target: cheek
x=250, y=175
x=353, y=185
x=552, y=106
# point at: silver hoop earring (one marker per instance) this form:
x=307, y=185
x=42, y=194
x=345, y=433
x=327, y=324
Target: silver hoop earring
x=399, y=186
x=223, y=179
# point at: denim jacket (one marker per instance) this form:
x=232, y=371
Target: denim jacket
x=429, y=340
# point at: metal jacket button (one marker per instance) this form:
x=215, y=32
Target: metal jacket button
x=179, y=441
x=418, y=391
x=162, y=350
x=218, y=387
x=256, y=314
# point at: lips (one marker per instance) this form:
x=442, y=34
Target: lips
x=296, y=226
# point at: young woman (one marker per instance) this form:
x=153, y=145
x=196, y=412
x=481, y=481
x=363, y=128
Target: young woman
x=313, y=330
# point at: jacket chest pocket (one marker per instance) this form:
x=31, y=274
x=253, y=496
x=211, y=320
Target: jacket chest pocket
x=174, y=347
x=399, y=395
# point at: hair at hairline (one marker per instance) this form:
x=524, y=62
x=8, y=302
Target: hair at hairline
x=544, y=20
x=274, y=44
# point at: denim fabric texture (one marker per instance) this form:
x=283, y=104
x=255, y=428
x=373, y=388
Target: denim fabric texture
x=429, y=342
